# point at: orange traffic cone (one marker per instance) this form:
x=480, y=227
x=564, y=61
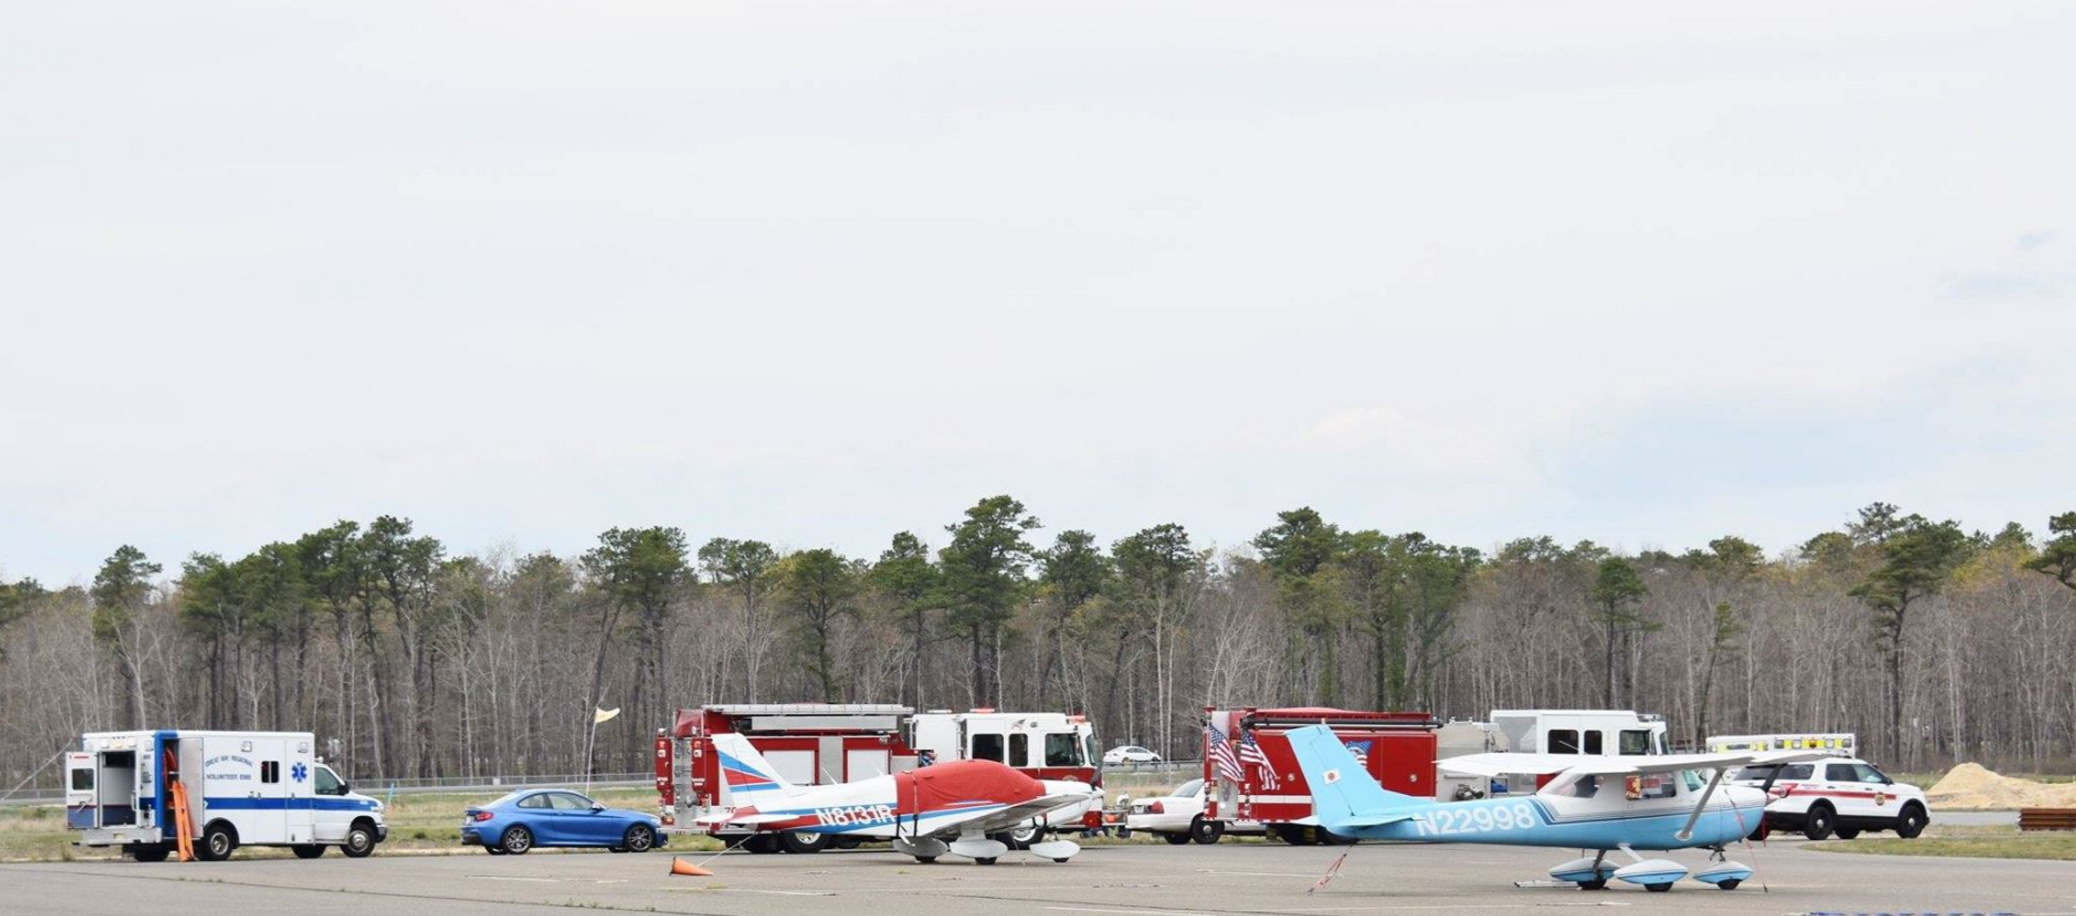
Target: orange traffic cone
x=679, y=866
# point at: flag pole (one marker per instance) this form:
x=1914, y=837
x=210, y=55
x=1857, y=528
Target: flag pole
x=589, y=738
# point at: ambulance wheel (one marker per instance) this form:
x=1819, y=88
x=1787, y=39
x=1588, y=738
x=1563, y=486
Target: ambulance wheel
x=1847, y=833
x=360, y=840
x=762, y=844
x=802, y=842
x=516, y=841
x=1175, y=839
x=1819, y=822
x=1729, y=885
x=1658, y=888
x=149, y=852
x=1206, y=832
x=307, y=850
x=1913, y=821
x=219, y=840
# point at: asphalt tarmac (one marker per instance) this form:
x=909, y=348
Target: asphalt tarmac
x=1134, y=880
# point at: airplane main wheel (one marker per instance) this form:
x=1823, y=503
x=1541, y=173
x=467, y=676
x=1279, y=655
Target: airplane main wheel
x=988, y=860
x=802, y=842
x=1658, y=888
x=926, y=860
x=1729, y=885
x=1175, y=839
x=1599, y=884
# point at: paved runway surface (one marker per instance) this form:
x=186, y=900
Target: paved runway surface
x=1137, y=880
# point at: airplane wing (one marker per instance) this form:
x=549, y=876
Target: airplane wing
x=744, y=820
x=1503, y=763
x=1014, y=815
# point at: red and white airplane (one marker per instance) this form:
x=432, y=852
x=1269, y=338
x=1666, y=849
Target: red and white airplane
x=927, y=812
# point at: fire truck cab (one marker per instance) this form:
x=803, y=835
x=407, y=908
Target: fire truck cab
x=1397, y=748
x=827, y=743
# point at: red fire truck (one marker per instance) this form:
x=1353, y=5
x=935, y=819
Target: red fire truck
x=825, y=743
x=1398, y=749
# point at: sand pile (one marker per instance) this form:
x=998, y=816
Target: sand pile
x=1971, y=786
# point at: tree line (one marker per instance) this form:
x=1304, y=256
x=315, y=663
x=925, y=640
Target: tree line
x=1935, y=643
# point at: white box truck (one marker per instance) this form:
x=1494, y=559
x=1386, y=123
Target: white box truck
x=241, y=789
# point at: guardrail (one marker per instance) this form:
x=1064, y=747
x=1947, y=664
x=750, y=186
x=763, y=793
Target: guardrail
x=2047, y=818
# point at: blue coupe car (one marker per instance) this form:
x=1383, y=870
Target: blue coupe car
x=556, y=817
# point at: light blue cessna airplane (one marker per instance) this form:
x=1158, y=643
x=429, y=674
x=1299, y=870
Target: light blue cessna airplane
x=1659, y=802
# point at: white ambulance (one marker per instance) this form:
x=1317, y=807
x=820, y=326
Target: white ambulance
x=241, y=789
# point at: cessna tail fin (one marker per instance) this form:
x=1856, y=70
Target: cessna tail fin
x=1343, y=793
x=751, y=779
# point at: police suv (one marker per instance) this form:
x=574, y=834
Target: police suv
x=1840, y=796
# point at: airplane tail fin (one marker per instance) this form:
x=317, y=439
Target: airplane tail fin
x=750, y=778
x=1343, y=793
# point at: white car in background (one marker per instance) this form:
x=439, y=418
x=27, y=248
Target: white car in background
x=1130, y=753
x=1840, y=796
x=1178, y=817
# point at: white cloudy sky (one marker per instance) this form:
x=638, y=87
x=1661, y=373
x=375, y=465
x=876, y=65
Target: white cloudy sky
x=816, y=272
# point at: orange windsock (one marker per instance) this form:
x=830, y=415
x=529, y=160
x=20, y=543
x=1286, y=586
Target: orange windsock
x=679, y=866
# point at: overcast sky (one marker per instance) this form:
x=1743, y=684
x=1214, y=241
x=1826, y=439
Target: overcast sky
x=817, y=272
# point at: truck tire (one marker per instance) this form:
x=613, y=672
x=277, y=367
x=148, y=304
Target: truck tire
x=1912, y=822
x=360, y=840
x=219, y=840
x=149, y=852
x=802, y=842
x=1820, y=821
x=762, y=844
x=308, y=850
x=515, y=841
x=1205, y=832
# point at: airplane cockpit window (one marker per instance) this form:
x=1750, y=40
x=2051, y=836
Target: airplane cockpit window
x=1563, y=741
x=1583, y=787
x=1656, y=785
x=987, y=747
x=1692, y=779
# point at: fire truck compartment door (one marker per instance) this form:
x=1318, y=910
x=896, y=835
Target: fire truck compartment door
x=796, y=767
x=865, y=763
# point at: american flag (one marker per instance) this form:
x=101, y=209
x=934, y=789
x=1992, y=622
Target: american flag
x=1221, y=753
x=1251, y=753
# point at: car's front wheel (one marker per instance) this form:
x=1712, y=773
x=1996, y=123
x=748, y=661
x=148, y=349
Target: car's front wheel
x=639, y=838
x=516, y=840
x=1820, y=822
x=1912, y=822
